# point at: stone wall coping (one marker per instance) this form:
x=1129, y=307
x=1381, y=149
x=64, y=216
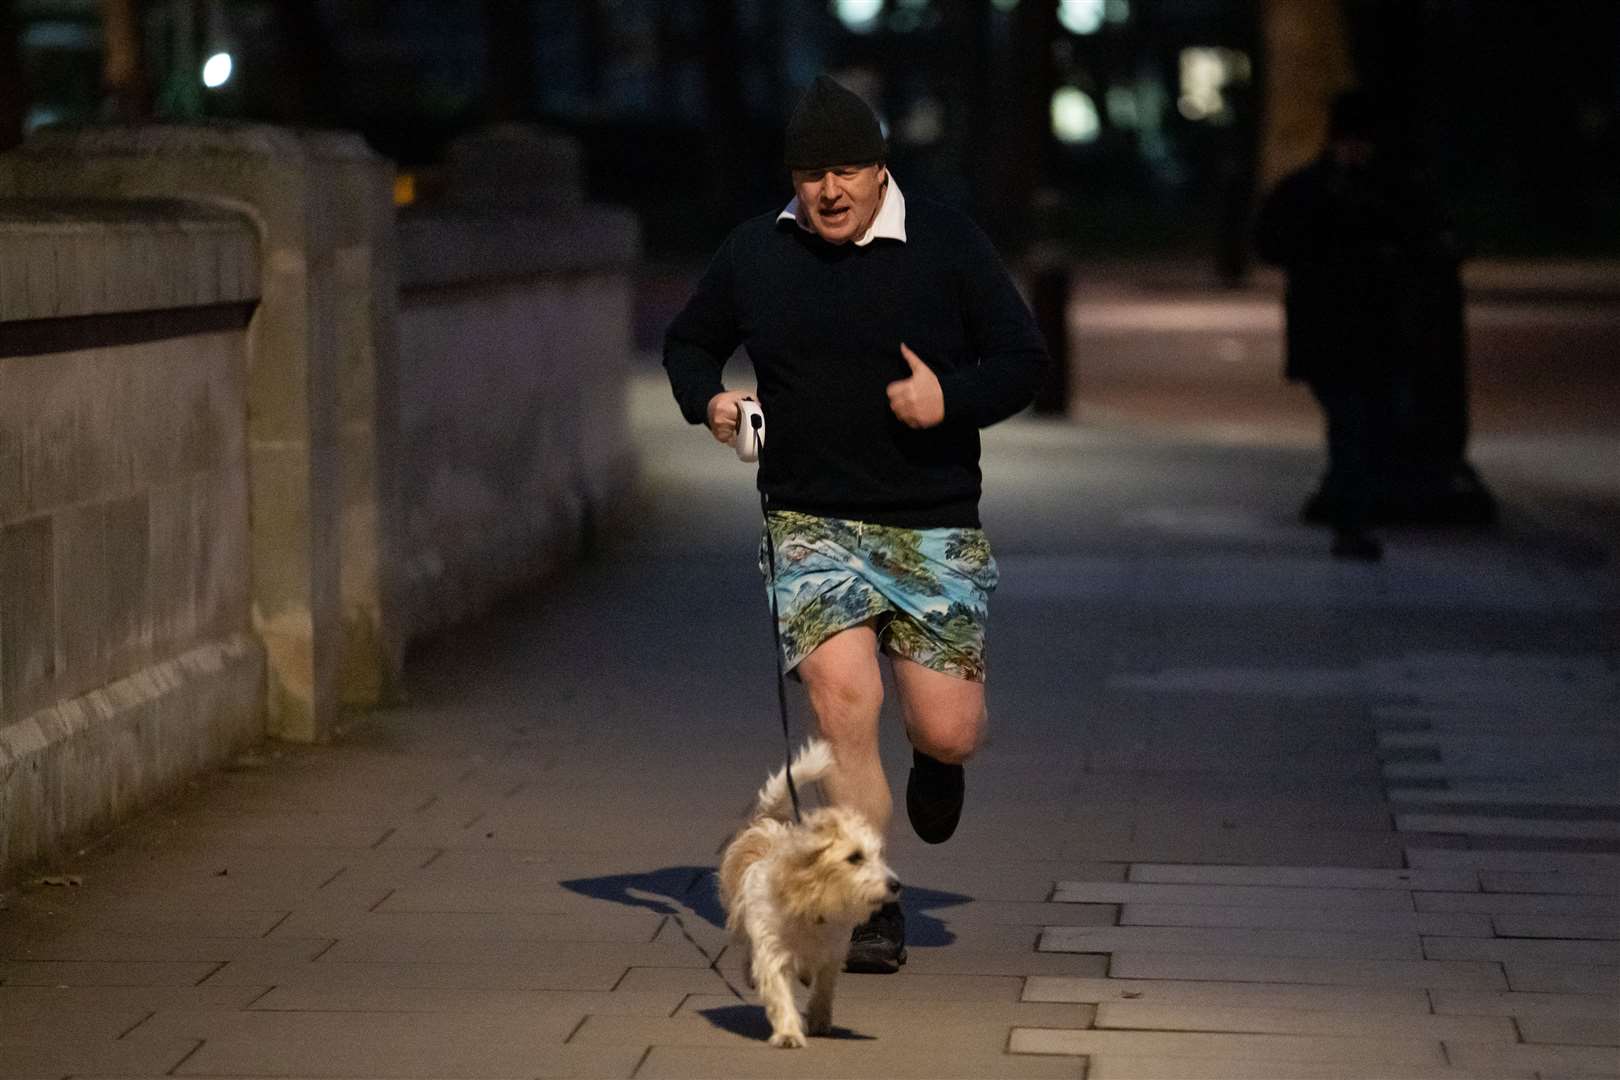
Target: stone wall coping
x=72, y=258
x=223, y=139
x=54, y=215
x=447, y=246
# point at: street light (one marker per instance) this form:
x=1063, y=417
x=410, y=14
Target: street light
x=216, y=70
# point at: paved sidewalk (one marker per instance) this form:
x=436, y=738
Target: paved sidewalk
x=1246, y=813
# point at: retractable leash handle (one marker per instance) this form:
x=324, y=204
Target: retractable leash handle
x=750, y=437
x=750, y=440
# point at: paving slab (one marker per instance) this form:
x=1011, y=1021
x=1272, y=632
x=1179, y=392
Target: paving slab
x=142, y=999
x=1533, y=950
x=933, y=1028
x=92, y=973
x=1146, y=1016
x=1563, y=978
x=1262, y=846
x=1526, y=858
x=411, y=1060
x=1295, y=918
x=1581, y=1060
x=622, y=926
x=1123, y=1067
x=372, y=999
x=1498, y=825
x=835, y=1058
x=1512, y=1003
x=1326, y=899
x=386, y=950
x=115, y=948
x=1555, y=904
x=1574, y=927
x=1304, y=877
x=1571, y=1030
x=1369, y=1053
x=1027, y=913
x=1428, y=974
x=20, y=1059
x=45, y=1020
x=1257, y=995
x=1394, y=945
x=1587, y=883
x=578, y=974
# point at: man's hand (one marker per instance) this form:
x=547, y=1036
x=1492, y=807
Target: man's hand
x=722, y=420
x=917, y=401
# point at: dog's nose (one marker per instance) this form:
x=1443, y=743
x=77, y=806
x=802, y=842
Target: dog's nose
x=894, y=886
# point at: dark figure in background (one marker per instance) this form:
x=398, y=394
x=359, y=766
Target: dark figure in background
x=1374, y=320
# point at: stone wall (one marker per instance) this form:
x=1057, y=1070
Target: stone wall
x=257, y=432
x=127, y=661
x=514, y=349
x=319, y=404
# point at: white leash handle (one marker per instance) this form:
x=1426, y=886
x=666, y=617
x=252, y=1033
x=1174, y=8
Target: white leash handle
x=750, y=438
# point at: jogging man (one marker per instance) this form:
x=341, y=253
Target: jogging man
x=883, y=334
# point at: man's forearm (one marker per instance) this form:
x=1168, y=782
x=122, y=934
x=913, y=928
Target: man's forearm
x=694, y=376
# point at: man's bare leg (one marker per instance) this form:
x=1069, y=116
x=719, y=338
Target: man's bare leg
x=944, y=718
x=944, y=715
x=846, y=694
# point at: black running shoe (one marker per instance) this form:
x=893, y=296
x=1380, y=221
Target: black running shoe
x=878, y=945
x=934, y=797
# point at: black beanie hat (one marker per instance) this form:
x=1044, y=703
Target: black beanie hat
x=832, y=126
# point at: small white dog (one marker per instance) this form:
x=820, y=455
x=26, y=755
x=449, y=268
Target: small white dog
x=793, y=892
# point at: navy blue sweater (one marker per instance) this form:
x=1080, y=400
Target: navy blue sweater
x=823, y=325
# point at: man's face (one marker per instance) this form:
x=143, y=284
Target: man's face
x=841, y=201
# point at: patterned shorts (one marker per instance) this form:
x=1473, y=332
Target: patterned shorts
x=927, y=589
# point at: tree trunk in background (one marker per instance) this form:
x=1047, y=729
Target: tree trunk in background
x=306, y=89
x=13, y=92
x=509, y=36
x=123, y=75
x=1307, y=62
x=1024, y=106
x=970, y=104
x=726, y=120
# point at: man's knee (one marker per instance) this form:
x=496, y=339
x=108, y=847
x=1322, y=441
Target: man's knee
x=953, y=738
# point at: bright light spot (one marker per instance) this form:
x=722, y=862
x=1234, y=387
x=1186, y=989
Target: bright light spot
x=1081, y=16
x=1074, y=116
x=858, y=15
x=1118, y=11
x=1205, y=74
x=217, y=70
x=404, y=188
x=1120, y=102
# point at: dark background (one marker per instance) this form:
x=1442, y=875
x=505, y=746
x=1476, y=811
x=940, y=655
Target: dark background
x=680, y=103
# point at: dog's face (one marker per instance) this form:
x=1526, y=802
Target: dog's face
x=836, y=870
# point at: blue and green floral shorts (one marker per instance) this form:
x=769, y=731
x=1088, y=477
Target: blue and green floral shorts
x=926, y=590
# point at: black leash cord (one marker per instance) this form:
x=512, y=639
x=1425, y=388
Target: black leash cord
x=776, y=636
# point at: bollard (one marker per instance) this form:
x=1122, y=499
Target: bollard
x=1049, y=294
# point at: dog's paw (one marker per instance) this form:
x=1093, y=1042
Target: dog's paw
x=787, y=1040
x=818, y=1025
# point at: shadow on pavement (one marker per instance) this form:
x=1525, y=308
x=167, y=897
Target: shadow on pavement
x=672, y=890
x=749, y=1022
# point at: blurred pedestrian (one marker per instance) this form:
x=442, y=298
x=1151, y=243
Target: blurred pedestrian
x=1362, y=243
x=884, y=333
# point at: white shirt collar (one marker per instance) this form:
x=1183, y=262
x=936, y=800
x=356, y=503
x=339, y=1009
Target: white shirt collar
x=889, y=224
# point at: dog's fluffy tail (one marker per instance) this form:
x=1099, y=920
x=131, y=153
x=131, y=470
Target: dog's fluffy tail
x=813, y=762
